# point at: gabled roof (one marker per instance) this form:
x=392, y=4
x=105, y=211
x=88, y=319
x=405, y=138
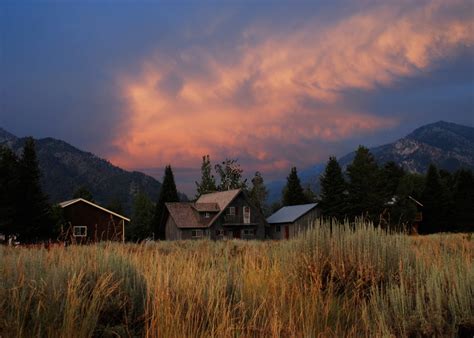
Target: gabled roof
x=291, y=213
x=185, y=215
x=76, y=200
x=221, y=198
x=210, y=207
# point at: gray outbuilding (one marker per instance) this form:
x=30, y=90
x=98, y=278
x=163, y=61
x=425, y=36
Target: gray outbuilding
x=288, y=221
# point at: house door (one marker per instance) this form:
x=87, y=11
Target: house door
x=236, y=233
x=287, y=232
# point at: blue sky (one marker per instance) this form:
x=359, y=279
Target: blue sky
x=274, y=84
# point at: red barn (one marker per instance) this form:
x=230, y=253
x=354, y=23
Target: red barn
x=87, y=222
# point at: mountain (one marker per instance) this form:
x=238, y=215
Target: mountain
x=448, y=145
x=65, y=168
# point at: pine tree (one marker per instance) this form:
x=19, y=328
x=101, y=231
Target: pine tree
x=389, y=179
x=208, y=182
x=34, y=212
x=333, y=191
x=168, y=193
x=84, y=193
x=9, y=197
x=463, y=199
x=142, y=218
x=293, y=193
x=364, y=196
x=259, y=193
x=435, y=203
x=230, y=175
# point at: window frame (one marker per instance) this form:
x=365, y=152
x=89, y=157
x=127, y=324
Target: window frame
x=277, y=228
x=231, y=211
x=80, y=232
x=195, y=232
x=207, y=214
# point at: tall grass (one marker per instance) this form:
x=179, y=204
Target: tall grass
x=339, y=281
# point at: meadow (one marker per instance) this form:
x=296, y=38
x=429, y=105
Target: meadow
x=337, y=282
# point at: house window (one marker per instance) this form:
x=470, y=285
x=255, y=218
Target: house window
x=277, y=228
x=249, y=232
x=207, y=215
x=231, y=211
x=219, y=232
x=246, y=212
x=196, y=233
x=79, y=231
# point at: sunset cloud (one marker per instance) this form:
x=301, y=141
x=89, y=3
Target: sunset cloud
x=276, y=97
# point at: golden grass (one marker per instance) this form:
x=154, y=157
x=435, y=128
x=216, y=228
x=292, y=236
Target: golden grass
x=344, y=282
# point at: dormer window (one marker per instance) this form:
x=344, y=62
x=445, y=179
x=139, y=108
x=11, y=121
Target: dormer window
x=207, y=215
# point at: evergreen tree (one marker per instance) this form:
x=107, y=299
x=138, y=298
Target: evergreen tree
x=168, y=193
x=364, y=196
x=116, y=206
x=389, y=179
x=142, y=218
x=34, y=213
x=230, y=175
x=208, y=182
x=293, y=193
x=259, y=193
x=463, y=198
x=84, y=193
x=9, y=197
x=333, y=191
x=404, y=210
x=435, y=203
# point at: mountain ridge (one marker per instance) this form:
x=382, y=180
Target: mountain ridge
x=66, y=168
x=448, y=145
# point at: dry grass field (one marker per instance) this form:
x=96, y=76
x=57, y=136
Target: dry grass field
x=344, y=282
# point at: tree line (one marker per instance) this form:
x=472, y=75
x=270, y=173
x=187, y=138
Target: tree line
x=387, y=195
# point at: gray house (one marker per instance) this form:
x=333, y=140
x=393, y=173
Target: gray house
x=287, y=222
x=219, y=215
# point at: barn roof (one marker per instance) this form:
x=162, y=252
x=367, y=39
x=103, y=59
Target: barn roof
x=291, y=213
x=65, y=204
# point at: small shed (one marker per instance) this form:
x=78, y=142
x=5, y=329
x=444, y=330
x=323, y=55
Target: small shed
x=288, y=221
x=87, y=222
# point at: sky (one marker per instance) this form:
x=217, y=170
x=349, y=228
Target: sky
x=274, y=84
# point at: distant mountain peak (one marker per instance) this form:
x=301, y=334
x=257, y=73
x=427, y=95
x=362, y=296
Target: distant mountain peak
x=5, y=136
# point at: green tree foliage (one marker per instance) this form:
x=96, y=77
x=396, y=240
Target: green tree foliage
x=435, y=199
x=333, y=191
x=463, y=200
x=364, y=195
x=404, y=209
x=168, y=193
x=84, y=193
x=230, y=175
x=208, y=181
x=259, y=193
x=9, y=196
x=389, y=179
x=141, y=225
x=293, y=193
x=116, y=206
x=34, y=212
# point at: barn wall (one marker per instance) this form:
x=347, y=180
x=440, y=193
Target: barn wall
x=100, y=224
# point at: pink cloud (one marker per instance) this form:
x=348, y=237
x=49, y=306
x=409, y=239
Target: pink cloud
x=201, y=102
